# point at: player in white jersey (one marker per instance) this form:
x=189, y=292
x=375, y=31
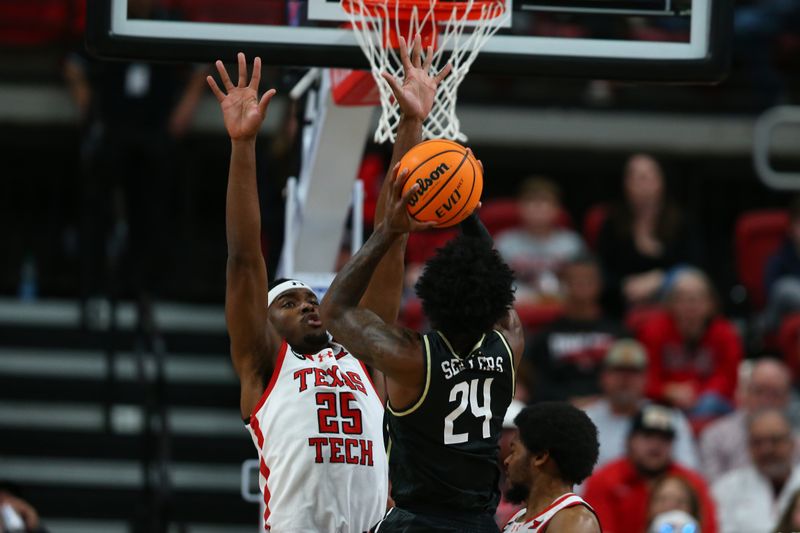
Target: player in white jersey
x=310, y=407
x=556, y=448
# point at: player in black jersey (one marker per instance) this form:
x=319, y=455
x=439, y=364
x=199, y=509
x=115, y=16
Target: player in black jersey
x=449, y=389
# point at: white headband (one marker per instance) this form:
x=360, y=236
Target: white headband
x=287, y=285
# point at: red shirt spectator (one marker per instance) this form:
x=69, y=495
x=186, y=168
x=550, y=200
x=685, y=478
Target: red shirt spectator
x=620, y=491
x=694, y=354
x=709, y=365
x=619, y=494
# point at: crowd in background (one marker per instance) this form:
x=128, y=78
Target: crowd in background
x=624, y=322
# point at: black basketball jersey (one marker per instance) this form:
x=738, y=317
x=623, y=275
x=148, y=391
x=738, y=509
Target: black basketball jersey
x=443, y=449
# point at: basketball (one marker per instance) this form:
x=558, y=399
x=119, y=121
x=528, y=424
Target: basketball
x=450, y=182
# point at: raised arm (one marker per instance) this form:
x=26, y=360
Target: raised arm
x=254, y=342
x=415, y=98
x=391, y=349
x=510, y=325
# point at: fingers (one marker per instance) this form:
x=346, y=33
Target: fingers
x=256, y=79
x=416, y=56
x=469, y=152
x=215, y=89
x=242, y=69
x=421, y=226
x=223, y=74
x=426, y=66
x=394, y=85
x=404, y=55
x=264, y=102
x=398, y=182
x=395, y=170
x=443, y=73
x=406, y=197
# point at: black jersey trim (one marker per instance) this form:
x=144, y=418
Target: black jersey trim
x=511, y=359
x=424, y=394
x=450, y=346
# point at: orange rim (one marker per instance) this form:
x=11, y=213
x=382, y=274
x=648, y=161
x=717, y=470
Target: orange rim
x=403, y=9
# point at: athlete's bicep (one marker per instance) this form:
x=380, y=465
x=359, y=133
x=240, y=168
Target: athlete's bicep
x=254, y=342
x=512, y=329
x=395, y=351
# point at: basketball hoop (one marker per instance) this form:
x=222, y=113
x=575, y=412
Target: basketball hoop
x=378, y=25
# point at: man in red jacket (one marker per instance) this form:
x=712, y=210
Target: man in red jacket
x=620, y=491
x=694, y=353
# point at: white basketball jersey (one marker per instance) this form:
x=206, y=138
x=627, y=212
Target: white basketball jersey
x=318, y=430
x=538, y=524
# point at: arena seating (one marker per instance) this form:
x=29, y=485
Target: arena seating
x=758, y=234
x=83, y=476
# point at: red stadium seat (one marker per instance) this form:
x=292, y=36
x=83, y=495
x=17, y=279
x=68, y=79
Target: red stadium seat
x=423, y=244
x=592, y=224
x=789, y=343
x=758, y=235
x=501, y=214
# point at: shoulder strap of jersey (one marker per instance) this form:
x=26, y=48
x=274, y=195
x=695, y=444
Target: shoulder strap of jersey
x=564, y=502
x=426, y=349
x=272, y=380
x=519, y=514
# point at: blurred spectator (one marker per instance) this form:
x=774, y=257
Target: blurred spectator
x=132, y=113
x=506, y=509
x=668, y=495
x=537, y=251
x=17, y=515
x=723, y=444
x=782, y=276
x=694, y=352
x=563, y=361
x=622, y=382
x=750, y=499
x=643, y=238
x=619, y=492
x=757, y=27
x=790, y=520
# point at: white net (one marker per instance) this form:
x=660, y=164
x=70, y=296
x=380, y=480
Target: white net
x=371, y=27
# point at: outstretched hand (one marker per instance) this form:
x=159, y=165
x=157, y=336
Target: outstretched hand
x=397, y=220
x=415, y=95
x=242, y=111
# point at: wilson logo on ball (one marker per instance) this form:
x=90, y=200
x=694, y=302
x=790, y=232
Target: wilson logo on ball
x=425, y=184
x=448, y=182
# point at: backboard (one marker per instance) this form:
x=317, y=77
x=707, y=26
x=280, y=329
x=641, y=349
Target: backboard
x=647, y=40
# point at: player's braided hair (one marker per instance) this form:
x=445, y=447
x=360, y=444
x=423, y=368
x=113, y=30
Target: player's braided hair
x=466, y=288
x=564, y=431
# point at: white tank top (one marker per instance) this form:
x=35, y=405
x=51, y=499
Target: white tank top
x=318, y=431
x=538, y=524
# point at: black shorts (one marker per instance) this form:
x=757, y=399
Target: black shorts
x=399, y=520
